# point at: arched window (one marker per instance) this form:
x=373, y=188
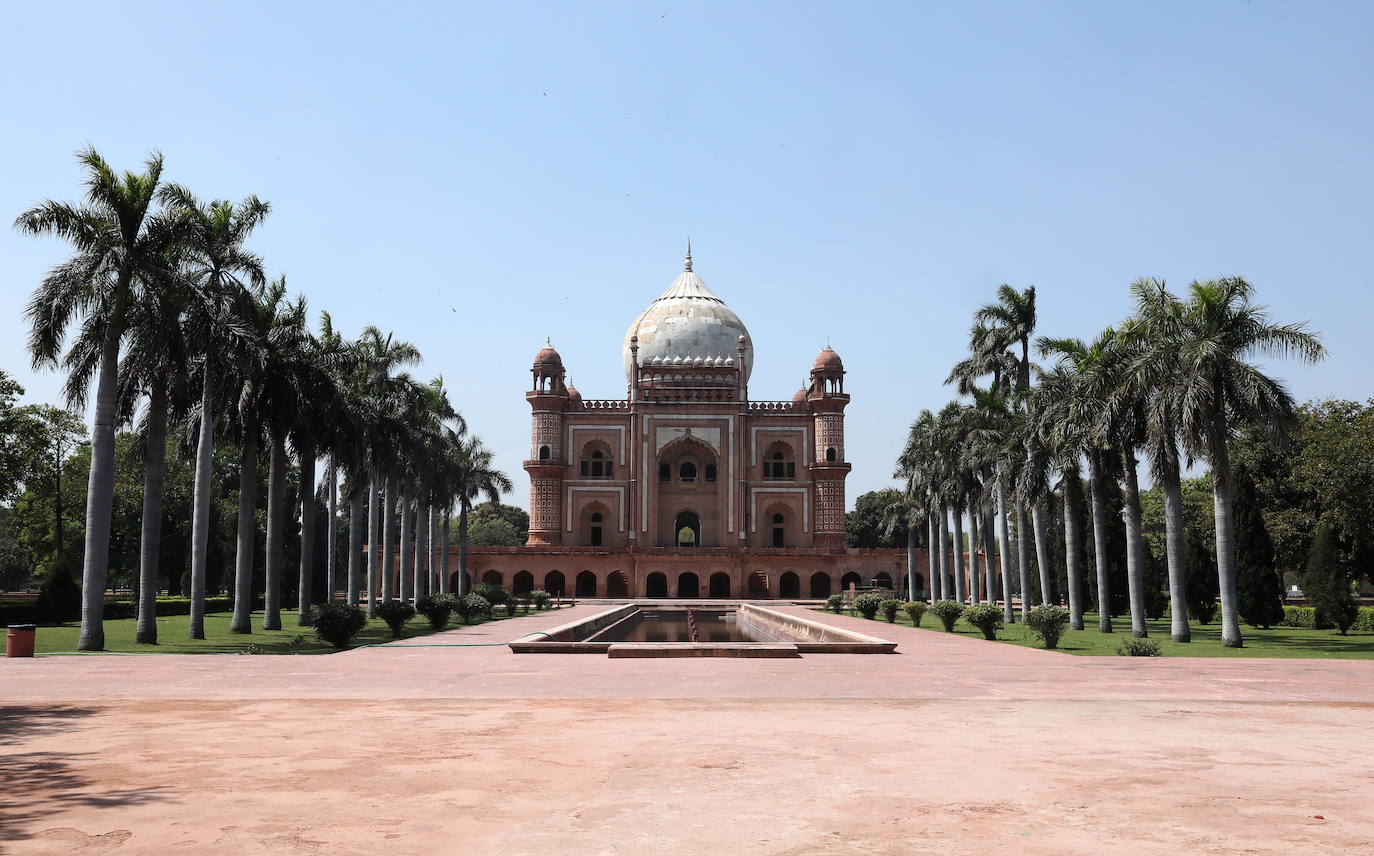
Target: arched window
x=687, y=471
x=544, y=453
x=710, y=472
x=830, y=453
x=596, y=529
x=665, y=472
x=778, y=464
x=597, y=466
x=779, y=531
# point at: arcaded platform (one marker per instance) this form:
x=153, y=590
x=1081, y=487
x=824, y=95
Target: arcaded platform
x=950, y=745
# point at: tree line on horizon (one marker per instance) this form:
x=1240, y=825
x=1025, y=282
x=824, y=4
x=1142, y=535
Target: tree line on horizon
x=1033, y=455
x=162, y=310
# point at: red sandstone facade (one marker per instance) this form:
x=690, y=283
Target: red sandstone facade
x=687, y=487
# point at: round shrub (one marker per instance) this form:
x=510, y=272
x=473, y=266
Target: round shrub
x=889, y=609
x=915, y=610
x=868, y=604
x=835, y=603
x=948, y=611
x=1139, y=648
x=494, y=594
x=396, y=613
x=540, y=599
x=1049, y=623
x=473, y=605
x=986, y=617
x=437, y=608
x=338, y=623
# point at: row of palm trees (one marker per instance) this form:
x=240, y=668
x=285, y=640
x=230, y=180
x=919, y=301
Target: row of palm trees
x=1172, y=383
x=162, y=308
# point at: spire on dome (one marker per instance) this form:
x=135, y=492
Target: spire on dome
x=687, y=262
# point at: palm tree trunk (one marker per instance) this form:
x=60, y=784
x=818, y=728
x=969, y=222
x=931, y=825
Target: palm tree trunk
x=946, y=569
x=463, y=578
x=408, y=570
x=973, y=529
x=200, y=514
x=305, y=582
x=1073, y=547
x=911, y=562
x=150, y=550
x=247, y=532
x=1223, y=507
x=357, y=510
x=933, y=556
x=390, y=519
x=421, y=571
x=1135, y=546
x=100, y=491
x=989, y=562
x=444, y=585
x=331, y=544
x=1173, y=547
x=374, y=535
x=959, y=593
x=1004, y=554
x=1042, y=552
x=429, y=550
x=1023, y=558
x=1098, y=487
x=276, y=507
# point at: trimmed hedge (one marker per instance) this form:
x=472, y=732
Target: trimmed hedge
x=24, y=612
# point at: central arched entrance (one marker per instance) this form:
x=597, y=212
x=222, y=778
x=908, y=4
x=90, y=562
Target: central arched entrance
x=789, y=585
x=688, y=585
x=687, y=529
x=720, y=584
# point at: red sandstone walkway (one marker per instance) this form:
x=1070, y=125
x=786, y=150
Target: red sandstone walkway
x=951, y=746
x=929, y=665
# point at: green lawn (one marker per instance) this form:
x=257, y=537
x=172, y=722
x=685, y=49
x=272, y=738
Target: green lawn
x=1277, y=642
x=171, y=632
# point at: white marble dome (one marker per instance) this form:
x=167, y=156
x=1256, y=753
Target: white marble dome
x=688, y=325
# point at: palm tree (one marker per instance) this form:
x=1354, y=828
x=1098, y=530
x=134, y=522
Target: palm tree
x=120, y=246
x=1013, y=316
x=1217, y=389
x=472, y=475
x=214, y=265
x=1140, y=381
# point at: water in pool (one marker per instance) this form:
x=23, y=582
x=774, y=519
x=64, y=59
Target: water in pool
x=671, y=626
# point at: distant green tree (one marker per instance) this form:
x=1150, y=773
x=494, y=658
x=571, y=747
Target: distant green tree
x=1259, y=588
x=865, y=525
x=1202, y=587
x=488, y=513
x=494, y=532
x=1327, y=581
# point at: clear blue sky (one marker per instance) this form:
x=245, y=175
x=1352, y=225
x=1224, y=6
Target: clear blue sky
x=476, y=178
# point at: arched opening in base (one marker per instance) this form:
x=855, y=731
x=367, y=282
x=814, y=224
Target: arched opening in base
x=553, y=583
x=492, y=577
x=720, y=585
x=586, y=584
x=617, y=585
x=789, y=585
x=850, y=578
x=758, y=584
x=688, y=585
x=523, y=583
x=656, y=585
x=820, y=584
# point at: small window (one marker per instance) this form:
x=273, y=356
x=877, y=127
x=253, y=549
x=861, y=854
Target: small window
x=665, y=472
x=544, y=453
x=779, y=531
x=777, y=519
x=586, y=470
x=710, y=472
x=596, y=517
x=791, y=469
x=830, y=453
x=688, y=471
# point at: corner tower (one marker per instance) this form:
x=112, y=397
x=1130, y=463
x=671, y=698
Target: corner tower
x=548, y=399
x=827, y=399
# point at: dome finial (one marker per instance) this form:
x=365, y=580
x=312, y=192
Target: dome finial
x=687, y=262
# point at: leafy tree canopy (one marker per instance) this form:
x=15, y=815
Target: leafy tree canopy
x=863, y=526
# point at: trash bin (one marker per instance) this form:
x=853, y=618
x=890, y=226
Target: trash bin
x=19, y=640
